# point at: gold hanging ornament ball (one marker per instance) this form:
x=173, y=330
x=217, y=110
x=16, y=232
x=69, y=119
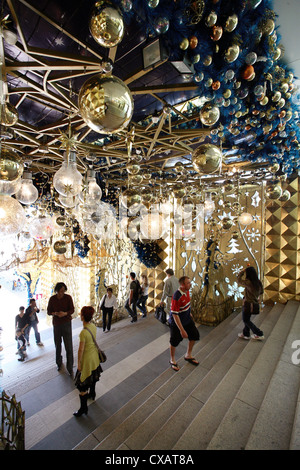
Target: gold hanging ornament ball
x=207, y=158
x=227, y=223
x=131, y=198
x=232, y=53
x=105, y=104
x=9, y=115
x=235, y=235
x=231, y=23
x=209, y=114
x=106, y=24
x=147, y=195
x=60, y=247
x=135, y=180
x=274, y=167
x=179, y=192
x=274, y=192
x=133, y=168
x=61, y=220
x=11, y=166
x=285, y=196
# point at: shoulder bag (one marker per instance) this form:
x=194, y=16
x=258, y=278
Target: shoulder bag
x=102, y=355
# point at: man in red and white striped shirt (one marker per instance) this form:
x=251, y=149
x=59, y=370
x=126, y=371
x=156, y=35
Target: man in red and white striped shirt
x=181, y=322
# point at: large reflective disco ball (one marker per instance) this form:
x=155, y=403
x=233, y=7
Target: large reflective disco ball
x=105, y=104
x=11, y=166
x=207, y=158
x=106, y=24
x=209, y=114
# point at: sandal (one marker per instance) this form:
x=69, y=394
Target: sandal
x=174, y=366
x=192, y=360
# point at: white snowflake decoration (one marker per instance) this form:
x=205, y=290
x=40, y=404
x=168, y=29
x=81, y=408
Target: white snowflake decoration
x=253, y=234
x=235, y=290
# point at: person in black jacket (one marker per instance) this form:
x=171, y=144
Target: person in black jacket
x=135, y=291
x=31, y=313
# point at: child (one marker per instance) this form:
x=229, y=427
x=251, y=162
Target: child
x=21, y=345
x=21, y=321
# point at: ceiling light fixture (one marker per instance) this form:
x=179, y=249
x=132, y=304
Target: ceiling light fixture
x=184, y=66
x=27, y=193
x=153, y=54
x=68, y=180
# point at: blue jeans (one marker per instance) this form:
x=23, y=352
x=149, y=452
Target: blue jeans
x=34, y=325
x=132, y=311
x=141, y=304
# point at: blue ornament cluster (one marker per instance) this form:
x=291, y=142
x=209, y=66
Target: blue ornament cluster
x=234, y=48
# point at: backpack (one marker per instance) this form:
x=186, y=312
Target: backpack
x=139, y=288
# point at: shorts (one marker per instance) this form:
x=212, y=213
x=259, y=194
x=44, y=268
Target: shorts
x=190, y=328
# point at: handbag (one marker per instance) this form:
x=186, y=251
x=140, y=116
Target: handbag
x=160, y=314
x=251, y=308
x=103, y=304
x=102, y=355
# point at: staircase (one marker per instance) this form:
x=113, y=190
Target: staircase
x=243, y=395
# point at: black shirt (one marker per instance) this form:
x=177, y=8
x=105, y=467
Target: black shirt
x=22, y=321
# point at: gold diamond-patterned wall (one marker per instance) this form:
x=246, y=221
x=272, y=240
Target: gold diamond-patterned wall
x=282, y=257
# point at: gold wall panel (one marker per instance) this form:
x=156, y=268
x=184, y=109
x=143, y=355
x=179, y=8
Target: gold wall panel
x=282, y=257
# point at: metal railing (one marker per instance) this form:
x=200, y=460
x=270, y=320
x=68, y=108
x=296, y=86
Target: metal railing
x=12, y=431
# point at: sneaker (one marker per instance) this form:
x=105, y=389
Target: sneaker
x=259, y=338
x=241, y=335
x=40, y=344
x=21, y=360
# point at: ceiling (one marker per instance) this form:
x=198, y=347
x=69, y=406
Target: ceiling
x=56, y=53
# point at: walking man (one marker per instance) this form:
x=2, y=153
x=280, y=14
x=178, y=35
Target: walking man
x=181, y=323
x=61, y=307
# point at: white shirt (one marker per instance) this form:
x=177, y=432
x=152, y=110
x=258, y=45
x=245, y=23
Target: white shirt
x=170, y=287
x=109, y=302
x=145, y=289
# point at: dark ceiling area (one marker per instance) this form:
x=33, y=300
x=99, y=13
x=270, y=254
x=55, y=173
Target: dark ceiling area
x=235, y=67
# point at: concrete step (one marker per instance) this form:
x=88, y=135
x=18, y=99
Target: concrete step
x=227, y=402
x=218, y=400
x=295, y=438
x=170, y=395
x=273, y=426
x=216, y=365
x=124, y=417
x=119, y=436
x=236, y=426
